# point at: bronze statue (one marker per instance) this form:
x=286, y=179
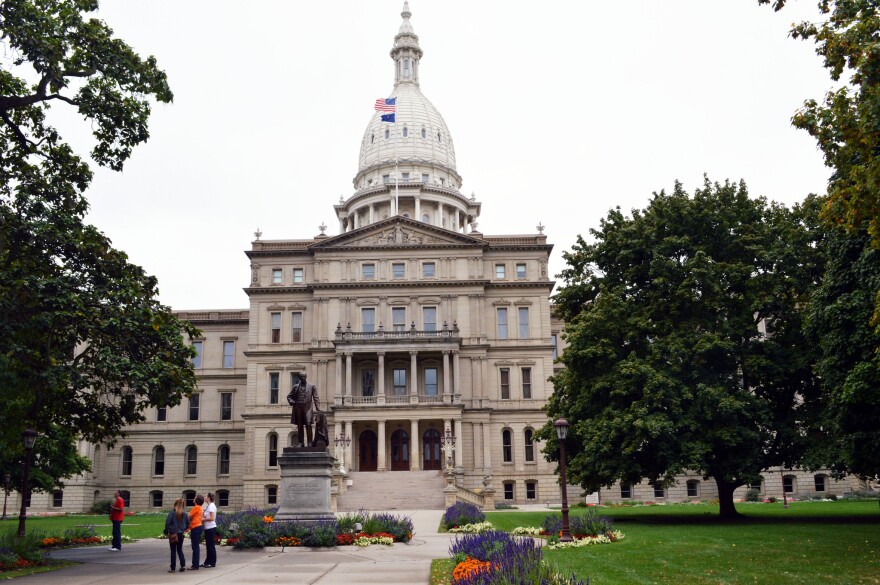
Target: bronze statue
x=304, y=399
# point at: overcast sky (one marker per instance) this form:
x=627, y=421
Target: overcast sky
x=559, y=111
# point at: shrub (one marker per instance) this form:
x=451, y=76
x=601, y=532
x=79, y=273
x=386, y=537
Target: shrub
x=101, y=507
x=753, y=495
x=589, y=524
x=832, y=497
x=772, y=499
x=505, y=507
x=348, y=521
x=462, y=513
x=321, y=534
x=25, y=548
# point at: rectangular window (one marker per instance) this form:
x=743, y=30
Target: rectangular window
x=368, y=382
x=520, y=270
x=693, y=488
x=161, y=414
x=194, y=407
x=386, y=179
x=523, y=313
x=57, y=499
x=502, y=322
x=156, y=499
x=398, y=318
x=499, y=271
x=625, y=491
x=368, y=319
x=226, y=406
x=189, y=498
x=425, y=177
x=277, y=277
x=505, y=383
x=276, y=327
x=368, y=271
x=296, y=321
x=197, y=360
x=222, y=498
x=405, y=176
x=428, y=269
x=228, y=354
x=399, y=382
x=431, y=381
x=526, y=382
x=273, y=387
x=819, y=482
x=398, y=270
x=659, y=492
x=271, y=495
x=298, y=276
x=788, y=484
x=554, y=341
x=531, y=490
x=429, y=318
x=508, y=490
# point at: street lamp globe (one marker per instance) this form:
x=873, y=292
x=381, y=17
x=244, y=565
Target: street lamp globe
x=561, y=428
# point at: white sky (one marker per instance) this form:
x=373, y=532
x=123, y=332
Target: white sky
x=558, y=110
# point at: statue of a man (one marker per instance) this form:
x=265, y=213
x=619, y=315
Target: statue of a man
x=304, y=399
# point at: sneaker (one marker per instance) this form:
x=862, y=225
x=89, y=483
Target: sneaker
x=172, y=570
x=113, y=548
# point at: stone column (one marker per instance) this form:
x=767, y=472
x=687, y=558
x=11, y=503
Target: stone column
x=348, y=381
x=415, y=462
x=380, y=383
x=381, y=450
x=418, y=208
x=456, y=373
x=413, y=371
x=350, y=452
x=457, y=219
x=459, y=440
x=447, y=384
x=338, y=379
x=487, y=441
x=372, y=211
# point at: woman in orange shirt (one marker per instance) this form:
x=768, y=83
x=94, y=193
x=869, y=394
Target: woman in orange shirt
x=195, y=530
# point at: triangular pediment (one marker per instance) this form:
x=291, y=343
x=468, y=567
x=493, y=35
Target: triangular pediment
x=398, y=232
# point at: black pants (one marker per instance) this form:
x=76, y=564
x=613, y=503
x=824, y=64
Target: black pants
x=177, y=551
x=210, y=547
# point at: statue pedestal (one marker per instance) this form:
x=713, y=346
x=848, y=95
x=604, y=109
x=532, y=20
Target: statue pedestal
x=305, y=485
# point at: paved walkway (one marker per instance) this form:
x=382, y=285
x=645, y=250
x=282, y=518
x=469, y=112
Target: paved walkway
x=146, y=562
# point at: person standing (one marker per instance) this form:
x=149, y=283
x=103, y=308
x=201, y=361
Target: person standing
x=117, y=515
x=176, y=524
x=210, y=523
x=195, y=530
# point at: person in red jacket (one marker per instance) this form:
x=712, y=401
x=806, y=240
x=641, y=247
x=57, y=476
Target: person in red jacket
x=117, y=514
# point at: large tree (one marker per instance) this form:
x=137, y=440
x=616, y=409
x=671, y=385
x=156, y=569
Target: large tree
x=846, y=124
x=684, y=345
x=85, y=346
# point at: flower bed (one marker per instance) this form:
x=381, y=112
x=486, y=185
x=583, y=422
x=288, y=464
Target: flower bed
x=462, y=513
x=478, y=528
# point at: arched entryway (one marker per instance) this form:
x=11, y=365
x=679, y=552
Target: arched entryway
x=368, y=446
x=432, y=450
x=399, y=450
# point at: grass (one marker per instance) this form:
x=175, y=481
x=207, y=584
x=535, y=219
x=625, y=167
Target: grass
x=441, y=571
x=147, y=526
x=810, y=542
x=53, y=565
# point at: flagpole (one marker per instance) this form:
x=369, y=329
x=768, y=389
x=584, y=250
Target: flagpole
x=396, y=169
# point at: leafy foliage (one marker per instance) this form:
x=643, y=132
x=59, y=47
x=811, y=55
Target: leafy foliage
x=85, y=346
x=685, y=349
x=461, y=513
x=846, y=125
x=54, y=456
x=589, y=524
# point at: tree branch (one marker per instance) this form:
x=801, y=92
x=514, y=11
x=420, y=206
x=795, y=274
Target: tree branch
x=22, y=139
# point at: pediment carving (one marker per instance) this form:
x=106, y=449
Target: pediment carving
x=395, y=236
x=397, y=232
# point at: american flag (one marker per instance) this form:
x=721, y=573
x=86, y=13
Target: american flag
x=386, y=105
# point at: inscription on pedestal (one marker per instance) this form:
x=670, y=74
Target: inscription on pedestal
x=305, y=485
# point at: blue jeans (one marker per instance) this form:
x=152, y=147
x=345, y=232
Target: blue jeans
x=195, y=535
x=117, y=534
x=177, y=552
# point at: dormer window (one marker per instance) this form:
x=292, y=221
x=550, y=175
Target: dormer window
x=405, y=132
x=372, y=138
x=438, y=138
x=424, y=132
x=387, y=134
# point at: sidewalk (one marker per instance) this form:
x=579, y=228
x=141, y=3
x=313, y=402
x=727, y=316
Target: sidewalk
x=146, y=562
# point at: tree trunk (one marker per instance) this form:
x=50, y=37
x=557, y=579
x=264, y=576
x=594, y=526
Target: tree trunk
x=725, y=499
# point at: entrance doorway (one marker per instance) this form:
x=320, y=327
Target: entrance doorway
x=431, y=449
x=399, y=450
x=368, y=446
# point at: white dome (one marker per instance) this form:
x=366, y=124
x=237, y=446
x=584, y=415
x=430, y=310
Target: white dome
x=421, y=135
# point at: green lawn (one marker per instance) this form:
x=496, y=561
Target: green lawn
x=147, y=526
x=810, y=542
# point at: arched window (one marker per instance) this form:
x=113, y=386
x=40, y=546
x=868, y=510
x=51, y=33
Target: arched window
x=507, y=445
x=291, y=439
x=189, y=498
x=438, y=138
x=159, y=460
x=127, y=456
x=372, y=138
x=156, y=499
x=387, y=134
x=405, y=131
x=272, y=441
x=426, y=218
x=192, y=459
x=223, y=460
x=424, y=132
x=529, y=440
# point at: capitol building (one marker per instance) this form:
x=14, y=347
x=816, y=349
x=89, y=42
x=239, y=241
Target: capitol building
x=430, y=344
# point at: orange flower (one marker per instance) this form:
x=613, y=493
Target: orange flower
x=268, y=519
x=468, y=567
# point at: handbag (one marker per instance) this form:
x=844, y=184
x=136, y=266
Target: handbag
x=172, y=538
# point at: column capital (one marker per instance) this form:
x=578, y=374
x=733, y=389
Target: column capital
x=415, y=352
x=380, y=353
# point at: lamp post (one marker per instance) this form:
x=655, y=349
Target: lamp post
x=30, y=437
x=6, y=478
x=562, y=432
x=448, y=447
x=342, y=444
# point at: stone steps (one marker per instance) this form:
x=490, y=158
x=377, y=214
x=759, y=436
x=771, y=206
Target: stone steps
x=393, y=490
